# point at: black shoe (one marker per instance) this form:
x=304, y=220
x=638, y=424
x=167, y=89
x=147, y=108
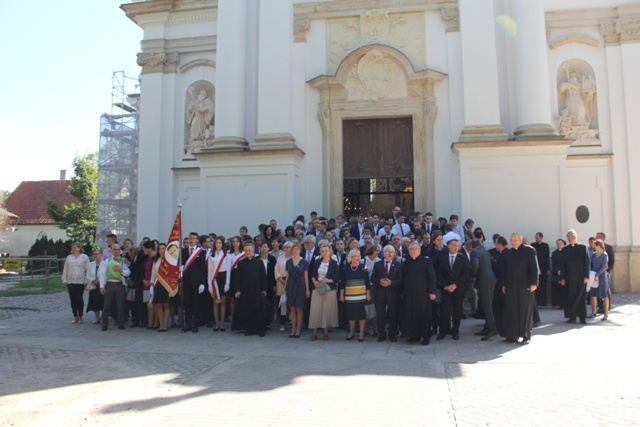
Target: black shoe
x=440, y=337
x=425, y=342
x=349, y=338
x=194, y=329
x=488, y=336
x=104, y=327
x=393, y=339
x=524, y=341
x=481, y=333
x=381, y=339
x=583, y=321
x=536, y=324
x=121, y=327
x=360, y=339
x=186, y=329
x=456, y=336
x=222, y=329
x=413, y=340
x=571, y=321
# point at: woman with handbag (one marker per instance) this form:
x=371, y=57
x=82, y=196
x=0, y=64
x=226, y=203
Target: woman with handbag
x=599, y=261
x=325, y=277
x=74, y=276
x=355, y=292
x=96, y=299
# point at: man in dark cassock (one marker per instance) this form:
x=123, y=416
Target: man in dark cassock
x=519, y=282
x=498, y=297
x=542, y=250
x=418, y=290
x=249, y=287
x=574, y=274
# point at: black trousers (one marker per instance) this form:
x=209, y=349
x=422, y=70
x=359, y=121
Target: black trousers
x=541, y=292
x=451, y=310
x=113, y=297
x=191, y=305
x=75, y=296
x=386, y=302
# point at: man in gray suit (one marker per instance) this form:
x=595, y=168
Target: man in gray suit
x=485, y=281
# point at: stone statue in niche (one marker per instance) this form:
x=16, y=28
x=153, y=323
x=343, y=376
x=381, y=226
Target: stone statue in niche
x=199, y=115
x=575, y=118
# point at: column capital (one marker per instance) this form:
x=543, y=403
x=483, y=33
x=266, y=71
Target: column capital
x=158, y=62
x=451, y=16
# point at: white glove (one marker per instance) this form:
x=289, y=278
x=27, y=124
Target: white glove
x=151, y=291
x=201, y=289
x=226, y=288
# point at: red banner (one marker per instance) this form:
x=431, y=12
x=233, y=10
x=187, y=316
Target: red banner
x=169, y=270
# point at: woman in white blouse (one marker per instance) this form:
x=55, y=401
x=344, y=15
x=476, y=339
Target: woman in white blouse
x=233, y=257
x=280, y=273
x=217, y=277
x=75, y=274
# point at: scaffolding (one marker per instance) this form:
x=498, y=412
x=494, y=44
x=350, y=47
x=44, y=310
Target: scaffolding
x=118, y=161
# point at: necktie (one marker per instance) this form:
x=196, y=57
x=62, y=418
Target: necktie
x=451, y=261
x=190, y=251
x=387, y=268
x=401, y=230
x=428, y=228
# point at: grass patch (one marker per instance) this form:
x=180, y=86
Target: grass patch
x=34, y=287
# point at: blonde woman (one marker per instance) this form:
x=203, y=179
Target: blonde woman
x=280, y=273
x=75, y=274
x=325, y=277
x=160, y=296
x=355, y=292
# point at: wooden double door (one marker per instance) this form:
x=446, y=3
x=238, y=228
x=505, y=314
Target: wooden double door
x=377, y=165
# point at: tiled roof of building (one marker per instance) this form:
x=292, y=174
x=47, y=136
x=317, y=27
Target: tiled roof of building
x=29, y=200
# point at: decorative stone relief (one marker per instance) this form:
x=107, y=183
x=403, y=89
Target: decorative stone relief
x=577, y=107
x=620, y=30
x=200, y=111
x=375, y=77
x=451, y=17
x=158, y=62
x=404, y=32
x=300, y=28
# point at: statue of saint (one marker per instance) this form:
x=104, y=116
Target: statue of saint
x=199, y=115
x=579, y=98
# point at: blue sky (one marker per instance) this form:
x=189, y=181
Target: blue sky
x=56, y=63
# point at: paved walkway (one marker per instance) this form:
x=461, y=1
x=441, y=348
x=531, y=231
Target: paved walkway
x=56, y=372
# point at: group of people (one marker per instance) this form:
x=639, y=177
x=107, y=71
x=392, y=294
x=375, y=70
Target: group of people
x=401, y=276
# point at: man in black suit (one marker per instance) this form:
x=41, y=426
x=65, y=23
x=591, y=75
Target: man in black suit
x=543, y=253
x=453, y=279
x=194, y=276
x=485, y=281
x=428, y=225
x=358, y=228
x=387, y=279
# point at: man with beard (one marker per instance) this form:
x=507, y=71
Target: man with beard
x=574, y=274
x=418, y=290
x=519, y=282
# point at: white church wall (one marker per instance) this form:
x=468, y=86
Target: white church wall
x=188, y=189
x=315, y=49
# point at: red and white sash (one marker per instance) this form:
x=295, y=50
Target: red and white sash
x=235, y=263
x=192, y=258
x=215, y=292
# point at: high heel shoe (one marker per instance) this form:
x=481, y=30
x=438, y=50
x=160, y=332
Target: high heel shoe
x=313, y=337
x=604, y=318
x=349, y=338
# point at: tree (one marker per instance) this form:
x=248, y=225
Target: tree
x=79, y=218
x=4, y=195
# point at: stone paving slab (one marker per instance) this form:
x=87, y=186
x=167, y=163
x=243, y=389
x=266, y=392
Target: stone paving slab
x=74, y=374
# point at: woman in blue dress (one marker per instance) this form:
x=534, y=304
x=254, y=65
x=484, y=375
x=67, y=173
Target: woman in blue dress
x=297, y=288
x=599, y=261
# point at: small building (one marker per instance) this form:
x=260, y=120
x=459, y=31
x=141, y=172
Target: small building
x=28, y=203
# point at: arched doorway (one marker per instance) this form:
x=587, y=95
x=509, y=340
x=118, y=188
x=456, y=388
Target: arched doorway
x=377, y=82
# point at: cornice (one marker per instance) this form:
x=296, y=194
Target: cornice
x=304, y=13
x=164, y=11
x=182, y=45
x=620, y=24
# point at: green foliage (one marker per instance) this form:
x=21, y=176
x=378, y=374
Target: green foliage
x=4, y=195
x=79, y=219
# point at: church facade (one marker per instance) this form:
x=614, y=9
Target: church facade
x=523, y=115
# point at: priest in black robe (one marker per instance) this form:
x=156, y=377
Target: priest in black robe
x=250, y=287
x=519, y=281
x=418, y=290
x=574, y=274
